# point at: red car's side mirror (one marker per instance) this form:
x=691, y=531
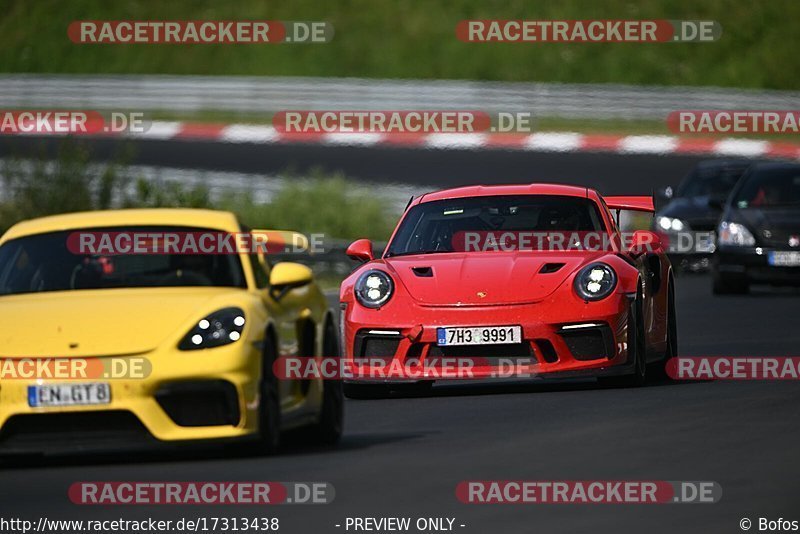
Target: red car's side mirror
x=644, y=241
x=361, y=250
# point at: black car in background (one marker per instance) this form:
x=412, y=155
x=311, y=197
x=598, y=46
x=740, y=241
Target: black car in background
x=688, y=222
x=759, y=232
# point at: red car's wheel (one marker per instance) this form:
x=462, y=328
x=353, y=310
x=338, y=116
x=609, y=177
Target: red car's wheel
x=636, y=346
x=660, y=368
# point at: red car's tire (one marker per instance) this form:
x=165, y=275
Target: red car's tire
x=636, y=345
x=660, y=368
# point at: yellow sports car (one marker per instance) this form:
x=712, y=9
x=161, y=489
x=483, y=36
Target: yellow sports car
x=127, y=327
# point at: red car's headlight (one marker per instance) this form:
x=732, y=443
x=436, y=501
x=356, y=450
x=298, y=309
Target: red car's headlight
x=374, y=288
x=595, y=281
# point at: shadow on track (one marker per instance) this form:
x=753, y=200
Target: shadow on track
x=454, y=389
x=294, y=444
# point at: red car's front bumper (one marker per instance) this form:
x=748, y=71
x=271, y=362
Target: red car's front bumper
x=589, y=339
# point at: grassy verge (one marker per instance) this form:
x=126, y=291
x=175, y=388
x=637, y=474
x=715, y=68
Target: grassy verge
x=327, y=204
x=411, y=39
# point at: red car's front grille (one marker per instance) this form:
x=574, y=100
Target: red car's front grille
x=375, y=346
x=590, y=343
x=511, y=350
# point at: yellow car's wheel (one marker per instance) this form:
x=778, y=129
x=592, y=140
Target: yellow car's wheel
x=328, y=430
x=269, y=416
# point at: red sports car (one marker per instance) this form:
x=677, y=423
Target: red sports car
x=536, y=275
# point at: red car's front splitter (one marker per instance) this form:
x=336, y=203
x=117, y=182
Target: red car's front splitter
x=588, y=339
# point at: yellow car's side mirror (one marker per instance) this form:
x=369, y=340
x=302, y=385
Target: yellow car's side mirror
x=286, y=276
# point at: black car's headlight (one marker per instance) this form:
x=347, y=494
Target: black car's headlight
x=219, y=328
x=595, y=281
x=374, y=288
x=672, y=224
x=735, y=234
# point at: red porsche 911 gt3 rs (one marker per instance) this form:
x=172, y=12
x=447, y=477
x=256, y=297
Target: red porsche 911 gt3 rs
x=536, y=278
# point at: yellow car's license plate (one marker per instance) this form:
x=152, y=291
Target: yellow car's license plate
x=46, y=395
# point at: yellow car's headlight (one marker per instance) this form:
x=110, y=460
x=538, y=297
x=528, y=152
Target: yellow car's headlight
x=219, y=328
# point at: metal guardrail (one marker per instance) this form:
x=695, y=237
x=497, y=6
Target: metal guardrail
x=263, y=94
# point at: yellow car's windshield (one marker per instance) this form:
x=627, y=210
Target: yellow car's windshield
x=51, y=262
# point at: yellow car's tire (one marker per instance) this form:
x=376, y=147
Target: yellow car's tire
x=269, y=415
x=328, y=431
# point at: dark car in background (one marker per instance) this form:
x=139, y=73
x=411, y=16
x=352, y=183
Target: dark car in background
x=688, y=222
x=759, y=231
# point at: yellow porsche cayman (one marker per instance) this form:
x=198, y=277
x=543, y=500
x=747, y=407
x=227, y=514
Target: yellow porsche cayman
x=127, y=327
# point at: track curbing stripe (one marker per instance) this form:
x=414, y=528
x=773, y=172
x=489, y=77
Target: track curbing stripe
x=535, y=142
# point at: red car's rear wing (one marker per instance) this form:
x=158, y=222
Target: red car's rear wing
x=631, y=203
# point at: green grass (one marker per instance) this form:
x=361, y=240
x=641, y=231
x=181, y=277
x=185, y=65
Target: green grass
x=328, y=204
x=413, y=39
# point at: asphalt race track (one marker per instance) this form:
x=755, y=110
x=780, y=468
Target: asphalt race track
x=404, y=456
x=430, y=169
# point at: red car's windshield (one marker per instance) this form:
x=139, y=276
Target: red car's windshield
x=441, y=226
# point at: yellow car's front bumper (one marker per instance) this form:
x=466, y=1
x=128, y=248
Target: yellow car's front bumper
x=173, y=402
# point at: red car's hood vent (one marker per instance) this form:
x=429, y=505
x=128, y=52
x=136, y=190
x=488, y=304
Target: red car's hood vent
x=484, y=278
x=425, y=272
x=549, y=268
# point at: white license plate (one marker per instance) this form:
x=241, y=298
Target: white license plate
x=784, y=259
x=478, y=335
x=69, y=394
